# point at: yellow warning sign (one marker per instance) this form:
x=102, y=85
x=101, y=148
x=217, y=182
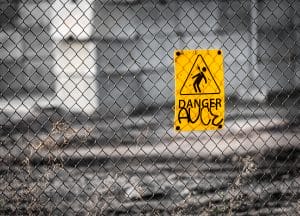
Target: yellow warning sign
x=199, y=90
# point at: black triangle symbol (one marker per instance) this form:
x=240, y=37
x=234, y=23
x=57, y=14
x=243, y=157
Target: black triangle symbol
x=196, y=88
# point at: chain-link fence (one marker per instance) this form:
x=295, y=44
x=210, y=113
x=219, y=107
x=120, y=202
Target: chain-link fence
x=87, y=108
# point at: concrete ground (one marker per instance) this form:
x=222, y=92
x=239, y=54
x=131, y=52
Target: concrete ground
x=139, y=165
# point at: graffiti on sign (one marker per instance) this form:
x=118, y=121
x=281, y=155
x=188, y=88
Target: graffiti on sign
x=199, y=90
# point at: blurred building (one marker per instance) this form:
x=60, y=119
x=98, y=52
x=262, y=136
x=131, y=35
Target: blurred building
x=115, y=56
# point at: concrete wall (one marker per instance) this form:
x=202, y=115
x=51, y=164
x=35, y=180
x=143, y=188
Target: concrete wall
x=133, y=43
x=37, y=45
x=11, y=52
x=277, y=52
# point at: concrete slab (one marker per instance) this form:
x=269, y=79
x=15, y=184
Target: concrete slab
x=76, y=82
x=70, y=18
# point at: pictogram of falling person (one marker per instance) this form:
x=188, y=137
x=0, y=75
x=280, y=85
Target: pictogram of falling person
x=199, y=76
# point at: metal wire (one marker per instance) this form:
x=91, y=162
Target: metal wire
x=87, y=108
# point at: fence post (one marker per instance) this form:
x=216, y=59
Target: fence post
x=257, y=91
x=119, y=71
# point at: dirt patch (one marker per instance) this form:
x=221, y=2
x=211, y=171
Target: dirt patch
x=267, y=183
x=139, y=167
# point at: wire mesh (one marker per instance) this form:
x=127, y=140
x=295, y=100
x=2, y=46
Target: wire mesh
x=87, y=99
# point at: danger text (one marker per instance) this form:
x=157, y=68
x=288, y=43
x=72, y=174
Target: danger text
x=203, y=110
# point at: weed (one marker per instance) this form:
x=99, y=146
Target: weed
x=2, y=203
x=235, y=190
x=233, y=198
x=60, y=135
x=142, y=138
